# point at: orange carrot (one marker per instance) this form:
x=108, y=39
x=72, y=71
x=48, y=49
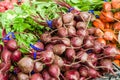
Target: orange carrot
x=117, y=15
x=99, y=24
x=101, y=40
x=109, y=35
x=116, y=26
x=112, y=44
x=117, y=57
x=106, y=16
x=107, y=26
x=115, y=4
x=117, y=62
x=107, y=6
x=99, y=32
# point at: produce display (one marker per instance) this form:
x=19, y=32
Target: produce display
x=65, y=43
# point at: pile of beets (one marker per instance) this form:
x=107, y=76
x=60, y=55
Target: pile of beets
x=68, y=51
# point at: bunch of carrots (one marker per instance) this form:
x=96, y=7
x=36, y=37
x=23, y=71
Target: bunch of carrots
x=108, y=25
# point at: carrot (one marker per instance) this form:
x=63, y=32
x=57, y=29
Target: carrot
x=107, y=26
x=115, y=4
x=99, y=24
x=106, y=16
x=112, y=44
x=101, y=40
x=117, y=62
x=117, y=57
x=109, y=35
x=117, y=15
x=116, y=26
x=99, y=32
x=107, y=6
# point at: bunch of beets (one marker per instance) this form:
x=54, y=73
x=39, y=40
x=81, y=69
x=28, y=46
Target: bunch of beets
x=68, y=51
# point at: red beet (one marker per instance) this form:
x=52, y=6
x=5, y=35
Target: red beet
x=45, y=37
x=106, y=65
x=111, y=51
x=93, y=73
x=16, y=56
x=46, y=75
x=59, y=49
x=67, y=18
x=72, y=75
x=38, y=66
x=22, y=76
x=83, y=71
x=58, y=61
x=76, y=41
x=70, y=54
x=71, y=31
x=54, y=70
x=49, y=47
x=26, y=64
x=82, y=32
x=36, y=76
x=47, y=56
x=1, y=48
x=39, y=45
x=66, y=41
x=62, y=32
x=12, y=45
x=6, y=55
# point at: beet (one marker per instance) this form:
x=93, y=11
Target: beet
x=54, y=70
x=98, y=47
x=22, y=76
x=45, y=37
x=80, y=25
x=76, y=41
x=12, y=45
x=1, y=48
x=6, y=55
x=6, y=67
x=59, y=49
x=67, y=18
x=72, y=75
x=82, y=32
x=93, y=73
x=70, y=54
x=16, y=56
x=39, y=45
x=83, y=71
x=38, y=66
x=58, y=61
x=71, y=31
x=82, y=78
x=46, y=75
x=93, y=58
x=49, y=46
x=47, y=56
x=62, y=32
x=106, y=65
x=91, y=30
x=111, y=51
x=26, y=64
x=66, y=41
x=57, y=23
x=85, y=15
x=75, y=66
x=82, y=55
x=13, y=77
x=88, y=43
x=36, y=76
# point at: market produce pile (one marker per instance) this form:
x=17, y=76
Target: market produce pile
x=76, y=46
